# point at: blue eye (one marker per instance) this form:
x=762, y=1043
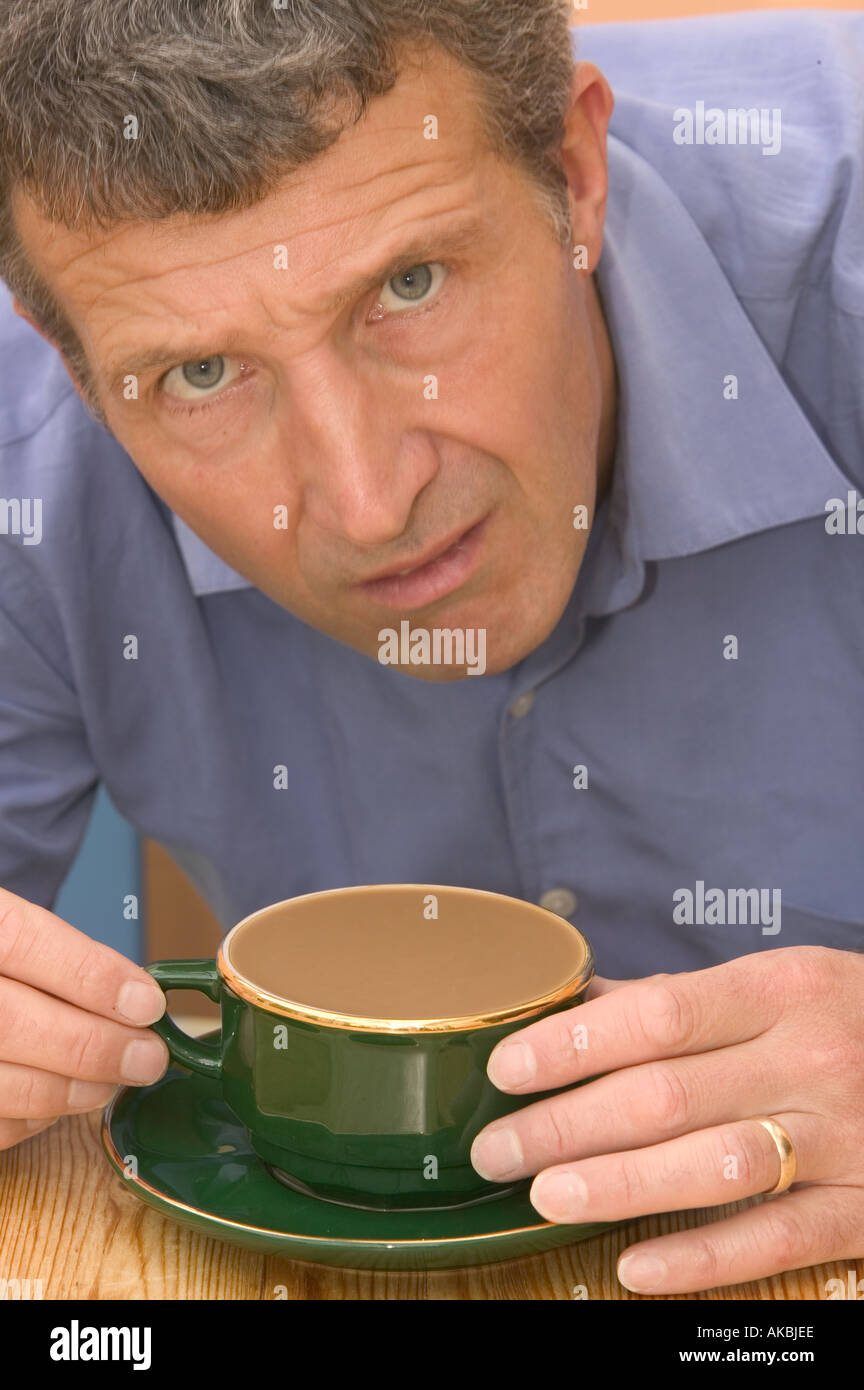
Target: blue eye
x=415, y=285
x=207, y=372
x=196, y=381
x=416, y=282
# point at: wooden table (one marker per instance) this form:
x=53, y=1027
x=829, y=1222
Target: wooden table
x=68, y=1220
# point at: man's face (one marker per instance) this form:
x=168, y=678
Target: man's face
x=387, y=365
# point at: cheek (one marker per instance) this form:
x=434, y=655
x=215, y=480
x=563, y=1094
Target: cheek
x=249, y=529
x=217, y=485
x=529, y=382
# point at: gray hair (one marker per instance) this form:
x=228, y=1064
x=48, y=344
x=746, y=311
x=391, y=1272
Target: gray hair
x=233, y=94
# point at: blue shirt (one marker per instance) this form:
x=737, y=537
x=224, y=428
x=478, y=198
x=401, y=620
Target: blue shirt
x=720, y=262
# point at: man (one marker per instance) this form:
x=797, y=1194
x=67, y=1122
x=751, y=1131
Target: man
x=362, y=388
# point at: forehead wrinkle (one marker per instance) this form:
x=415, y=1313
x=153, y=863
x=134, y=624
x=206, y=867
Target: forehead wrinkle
x=207, y=266
x=377, y=213
x=153, y=277
x=411, y=230
x=184, y=327
x=414, y=166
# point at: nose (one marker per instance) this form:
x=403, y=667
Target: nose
x=360, y=461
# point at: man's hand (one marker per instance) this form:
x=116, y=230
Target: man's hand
x=680, y=1062
x=69, y=1008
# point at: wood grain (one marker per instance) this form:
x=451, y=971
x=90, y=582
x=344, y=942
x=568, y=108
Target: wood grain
x=67, y=1219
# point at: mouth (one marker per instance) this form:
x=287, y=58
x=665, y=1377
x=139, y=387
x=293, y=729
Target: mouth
x=440, y=574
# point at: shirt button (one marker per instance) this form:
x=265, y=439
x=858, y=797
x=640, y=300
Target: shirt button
x=560, y=901
x=522, y=704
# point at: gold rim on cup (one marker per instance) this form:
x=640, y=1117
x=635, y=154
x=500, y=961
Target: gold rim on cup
x=289, y=1008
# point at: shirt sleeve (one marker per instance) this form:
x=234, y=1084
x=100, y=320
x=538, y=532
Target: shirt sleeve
x=48, y=780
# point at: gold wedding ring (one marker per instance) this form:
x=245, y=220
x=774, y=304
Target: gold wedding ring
x=786, y=1150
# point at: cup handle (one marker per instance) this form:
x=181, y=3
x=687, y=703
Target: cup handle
x=203, y=1057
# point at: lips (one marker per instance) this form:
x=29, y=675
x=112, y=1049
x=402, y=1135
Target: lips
x=441, y=572
x=398, y=570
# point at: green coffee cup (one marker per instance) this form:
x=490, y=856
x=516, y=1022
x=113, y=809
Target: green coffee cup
x=350, y=1086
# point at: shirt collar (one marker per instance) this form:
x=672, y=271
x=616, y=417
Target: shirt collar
x=208, y=574
x=692, y=469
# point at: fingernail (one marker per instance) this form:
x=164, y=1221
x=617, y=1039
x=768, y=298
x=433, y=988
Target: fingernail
x=42, y=1124
x=512, y=1065
x=560, y=1197
x=140, y=1003
x=497, y=1154
x=88, y=1093
x=641, y=1273
x=143, y=1061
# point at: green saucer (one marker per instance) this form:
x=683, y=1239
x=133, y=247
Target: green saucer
x=193, y=1162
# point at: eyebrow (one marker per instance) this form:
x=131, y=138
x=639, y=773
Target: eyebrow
x=457, y=236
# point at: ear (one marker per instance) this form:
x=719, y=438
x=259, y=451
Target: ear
x=583, y=155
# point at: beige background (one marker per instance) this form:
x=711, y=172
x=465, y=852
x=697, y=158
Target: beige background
x=610, y=11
